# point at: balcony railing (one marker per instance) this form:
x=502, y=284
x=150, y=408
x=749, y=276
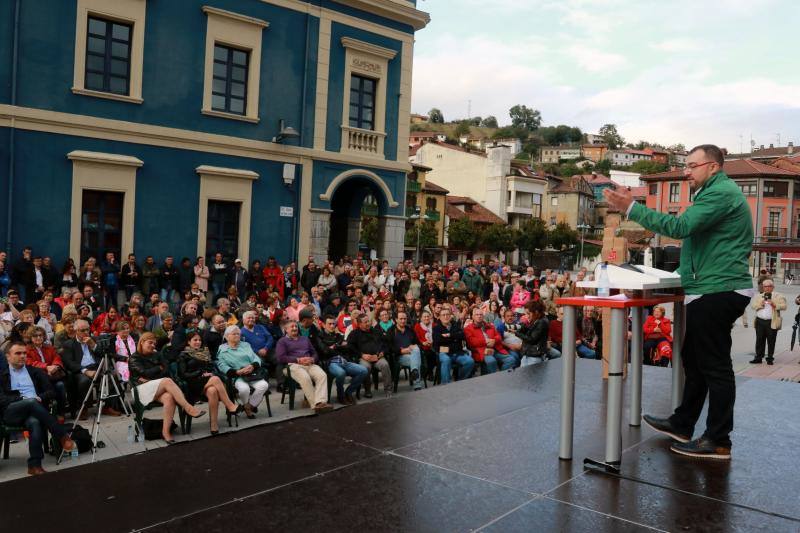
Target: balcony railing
x=413, y=186
x=432, y=214
x=410, y=210
x=362, y=142
x=774, y=233
x=369, y=210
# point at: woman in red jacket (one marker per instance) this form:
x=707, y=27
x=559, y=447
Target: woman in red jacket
x=106, y=322
x=44, y=356
x=273, y=276
x=657, y=329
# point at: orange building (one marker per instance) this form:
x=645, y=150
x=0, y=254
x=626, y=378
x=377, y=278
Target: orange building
x=594, y=152
x=772, y=193
x=658, y=155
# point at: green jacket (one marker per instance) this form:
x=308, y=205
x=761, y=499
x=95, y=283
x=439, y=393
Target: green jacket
x=474, y=282
x=717, y=233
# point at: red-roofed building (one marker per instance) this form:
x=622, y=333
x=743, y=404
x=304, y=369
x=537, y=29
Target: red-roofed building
x=416, y=138
x=659, y=156
x=772, y=193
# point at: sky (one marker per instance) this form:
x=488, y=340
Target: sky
x=677, y=71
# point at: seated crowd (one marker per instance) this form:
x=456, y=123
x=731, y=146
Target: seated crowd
x=189, y=333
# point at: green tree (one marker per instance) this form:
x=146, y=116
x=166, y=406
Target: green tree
x=648, y=167
x=489, y=122
x=462, y=129
x=523, y=116
x=569, y=169
x=462, y=234
x=562, y=235
x=532, y=235
x=428, y=235
x=603, y=167
x=611, y=136
x=499, y=238
x=369, y=232
x=507, y=132
x=435, y=116
x=475, y=121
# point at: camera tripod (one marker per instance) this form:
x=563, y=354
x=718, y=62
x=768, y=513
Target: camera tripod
x=104, y=375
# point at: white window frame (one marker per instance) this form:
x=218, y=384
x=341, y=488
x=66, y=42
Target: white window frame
x=126, y=11
x=237, y=31
x=371, y=61
x=227, y=185
x=102, y=172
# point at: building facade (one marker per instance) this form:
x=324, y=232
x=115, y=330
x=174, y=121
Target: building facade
x=571, y=201
x=431, y=200
x=772, y=193
x=260, y=132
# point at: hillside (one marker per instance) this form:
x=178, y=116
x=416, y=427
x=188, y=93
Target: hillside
x=449, y=129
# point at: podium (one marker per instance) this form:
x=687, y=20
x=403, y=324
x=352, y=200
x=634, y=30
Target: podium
x=651, y=286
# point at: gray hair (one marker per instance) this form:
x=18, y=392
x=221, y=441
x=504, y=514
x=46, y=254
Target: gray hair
x=229, y=330
x=249, y=313
x=223, y=300
x=78, y=322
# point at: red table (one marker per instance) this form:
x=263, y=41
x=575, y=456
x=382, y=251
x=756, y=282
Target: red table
x=616, y=338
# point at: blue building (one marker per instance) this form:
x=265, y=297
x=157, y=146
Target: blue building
x=254, y=127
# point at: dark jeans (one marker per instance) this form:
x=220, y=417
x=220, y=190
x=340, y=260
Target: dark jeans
x=111, y=296
x=765, y=335
x=78, y=386
x=34, y=416
x=708, y=366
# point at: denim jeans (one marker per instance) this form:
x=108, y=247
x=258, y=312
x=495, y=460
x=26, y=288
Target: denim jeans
x=413, y=361
x=508, y=361
x=33, y=415
x=166, y=294
x=490, y=362
x=464, y=362
x=339, y=371
x=585, y=352
x=111, y=295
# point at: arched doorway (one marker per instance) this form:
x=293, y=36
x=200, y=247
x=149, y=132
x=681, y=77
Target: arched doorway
x=355, y=204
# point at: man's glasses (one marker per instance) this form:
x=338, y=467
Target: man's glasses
x=692, y=166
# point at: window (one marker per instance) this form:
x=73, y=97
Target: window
x=222, y=228
x=101, y=223
x=362, y=102
x=109, y=49
x=774, y=220
x=653, y=189
x=674, y=193
x=232, y=65
x=554, y=201
x=776, y=189
x=108, y=56
x=229, y=86
x=430, y=204
x=749, y=189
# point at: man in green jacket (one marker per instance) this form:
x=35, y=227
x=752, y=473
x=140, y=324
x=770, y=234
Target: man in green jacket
x=717, y=234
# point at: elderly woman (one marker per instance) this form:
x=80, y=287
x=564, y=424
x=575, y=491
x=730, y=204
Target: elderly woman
x=327, y=279
x=197, y=369
x=150, y=376
x=237, y=360
x=44, y=357
x=45, y=320
x=657, y=329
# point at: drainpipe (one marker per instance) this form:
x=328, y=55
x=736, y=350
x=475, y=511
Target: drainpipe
x=14, y=59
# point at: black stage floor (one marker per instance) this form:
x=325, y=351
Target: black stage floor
x=478, y=454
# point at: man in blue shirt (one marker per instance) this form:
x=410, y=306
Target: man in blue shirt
x=24, y=392
x=256, y=335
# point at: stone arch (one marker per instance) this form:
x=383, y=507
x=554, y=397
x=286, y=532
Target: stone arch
x=361, y=173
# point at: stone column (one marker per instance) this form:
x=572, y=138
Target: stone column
x=392, y=230
x=353, y=236
x=320, y=235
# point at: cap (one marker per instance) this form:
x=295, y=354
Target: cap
x=306, y=312
x=237, y=260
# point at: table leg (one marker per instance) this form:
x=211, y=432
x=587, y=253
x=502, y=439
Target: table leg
x=615, y=374
x=678, y=328
x=637, y=333
x=567, y=384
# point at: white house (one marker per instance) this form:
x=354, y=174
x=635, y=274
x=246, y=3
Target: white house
x=626, y=179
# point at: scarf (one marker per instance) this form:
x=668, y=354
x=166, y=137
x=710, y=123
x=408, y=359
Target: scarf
x=201, y=355
x=126, y=347
x=428, y=332
x=386, y=325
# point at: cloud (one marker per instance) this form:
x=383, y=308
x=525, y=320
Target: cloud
x=595, y=60
x=676, y=45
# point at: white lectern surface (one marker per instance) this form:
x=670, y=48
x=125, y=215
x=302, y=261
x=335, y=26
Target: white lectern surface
x=635, y=277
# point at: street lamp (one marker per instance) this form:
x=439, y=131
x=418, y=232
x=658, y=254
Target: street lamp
x=417, y=216
x=583, y=228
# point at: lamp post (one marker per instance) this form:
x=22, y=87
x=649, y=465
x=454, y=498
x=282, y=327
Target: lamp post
x=417, y=217
x=583, y=228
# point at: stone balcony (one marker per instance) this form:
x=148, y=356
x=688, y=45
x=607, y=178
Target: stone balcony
x=362, y=142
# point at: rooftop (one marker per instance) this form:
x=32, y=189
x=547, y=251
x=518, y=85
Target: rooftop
x=737, y=168
x=433, y=188
x=477, y=213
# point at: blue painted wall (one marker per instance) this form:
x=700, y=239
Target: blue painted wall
x=334, y=6
x=3, y=185
x=325, y=172
x=167, y=197
x=336, y=86
x=173, y=68
x=6, y=40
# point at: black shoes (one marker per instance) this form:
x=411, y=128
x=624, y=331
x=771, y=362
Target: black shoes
x=756, y=361
x=663, y=425
x=414, y=375
x=702, y=448
x=770, y=362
